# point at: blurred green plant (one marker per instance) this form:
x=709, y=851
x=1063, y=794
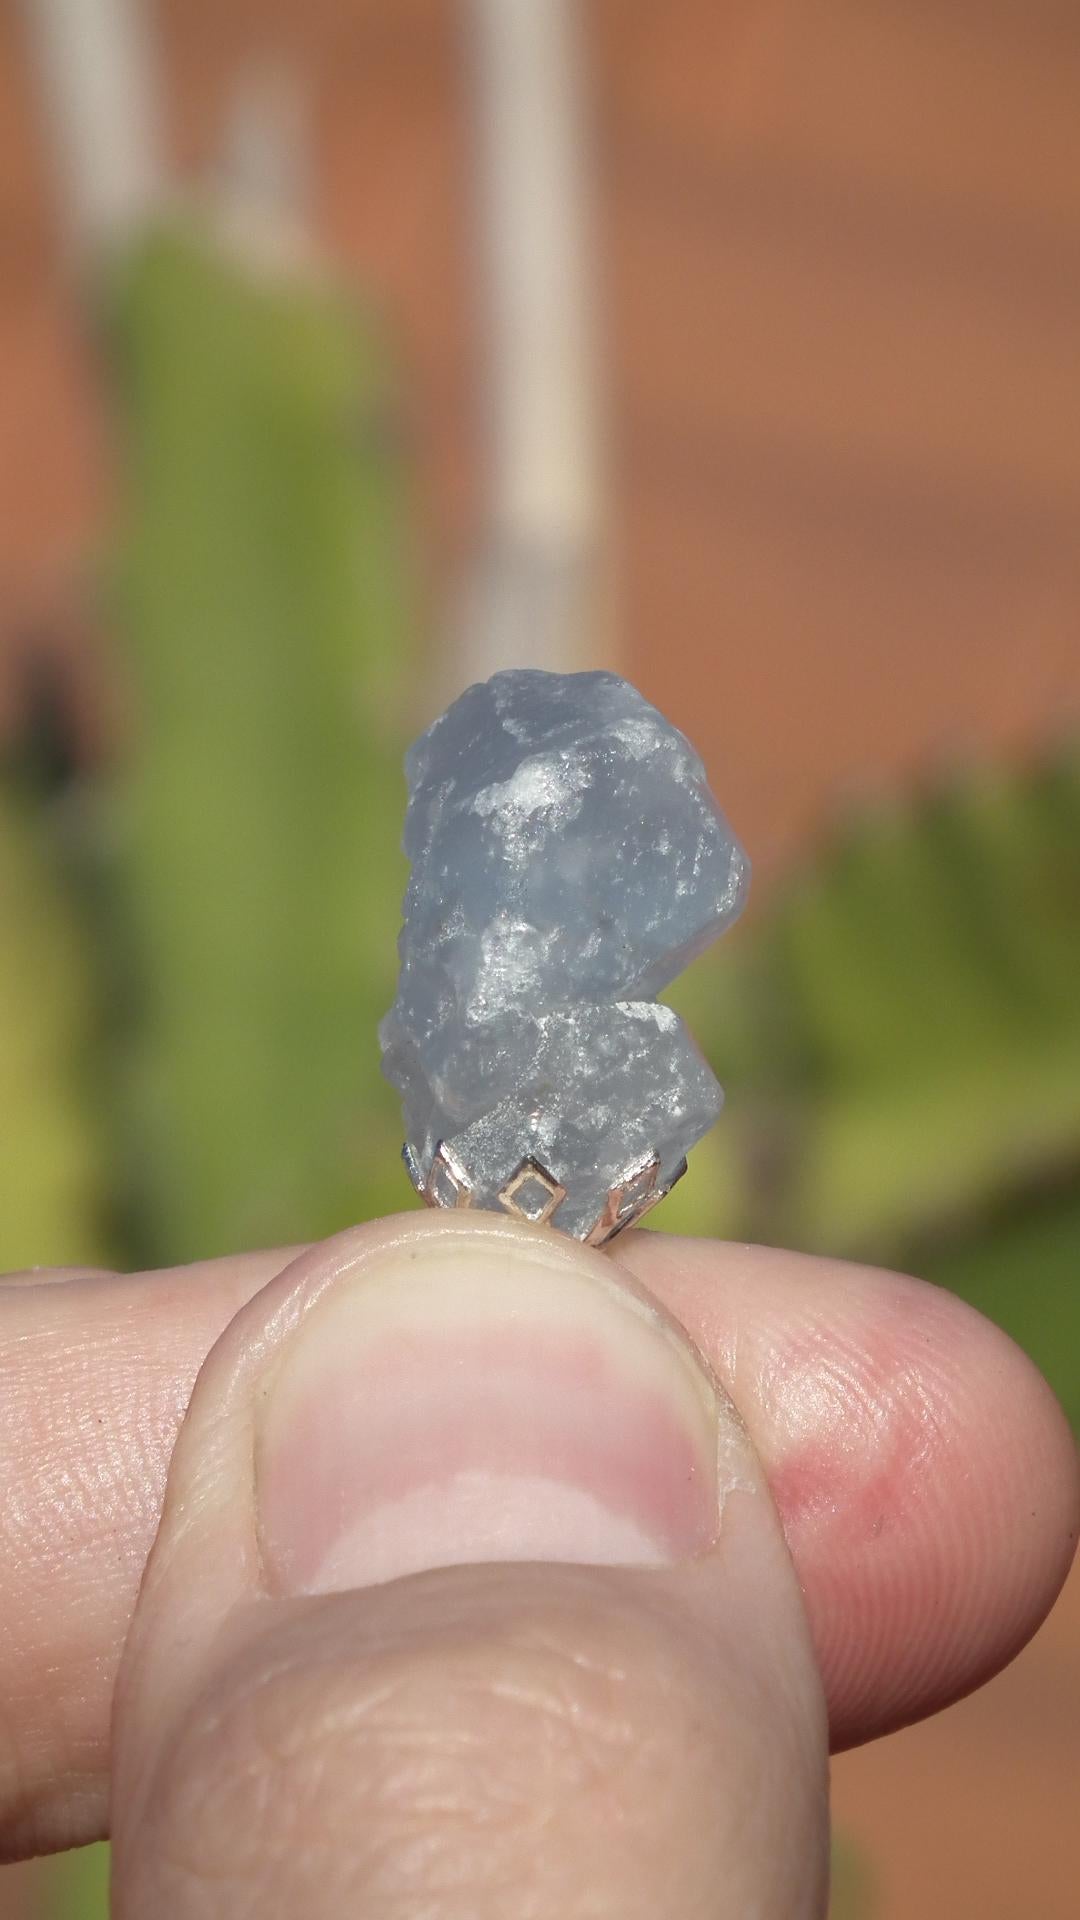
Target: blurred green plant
x=852, y=1893
x=899, y=1035
x=55, y=1167
x=255, y=818
x=78, y=1886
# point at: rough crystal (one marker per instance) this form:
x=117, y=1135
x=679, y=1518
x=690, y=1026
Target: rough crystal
x=568, y=860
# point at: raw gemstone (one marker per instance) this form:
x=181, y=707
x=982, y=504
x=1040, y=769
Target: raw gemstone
x=568, y=860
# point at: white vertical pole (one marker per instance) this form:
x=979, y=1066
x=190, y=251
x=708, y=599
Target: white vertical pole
x=537, y=590
x=97, y=81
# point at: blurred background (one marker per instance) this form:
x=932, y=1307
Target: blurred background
x=350, y=350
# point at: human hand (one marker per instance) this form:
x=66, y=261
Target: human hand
x=530, y=1734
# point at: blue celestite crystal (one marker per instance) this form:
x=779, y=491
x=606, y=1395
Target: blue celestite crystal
x=568, y=860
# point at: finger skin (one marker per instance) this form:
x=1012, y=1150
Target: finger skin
x=96, y=1371
x=925, y=1476
x=498, y=1741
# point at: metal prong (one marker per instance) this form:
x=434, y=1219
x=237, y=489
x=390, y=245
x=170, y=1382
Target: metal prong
x=447, y=1184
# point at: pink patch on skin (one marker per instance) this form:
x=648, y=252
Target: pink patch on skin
x=412, y=1410
x=860, y=1436
x=814, y=1489
x=872, y=1429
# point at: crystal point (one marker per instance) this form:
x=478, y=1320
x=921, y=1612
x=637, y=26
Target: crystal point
x=568, y=861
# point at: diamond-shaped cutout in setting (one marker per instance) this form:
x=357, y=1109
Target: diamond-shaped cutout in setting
x=532, y=1193
x=631, y=1197
x=448, y=1184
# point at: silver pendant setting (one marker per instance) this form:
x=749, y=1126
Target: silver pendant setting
x=533, y=1194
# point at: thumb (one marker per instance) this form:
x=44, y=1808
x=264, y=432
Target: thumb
x=468, y=1601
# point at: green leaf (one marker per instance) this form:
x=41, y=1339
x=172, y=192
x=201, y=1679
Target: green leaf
x=1023, y=1270
x=908, y=1019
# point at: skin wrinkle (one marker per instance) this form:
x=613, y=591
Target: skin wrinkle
x=887, y=1430
x=78, y=1485
x=221, y=1755
x=587, y=1746
x=816, y=1381
x=401, y=1790
x=596, y=1744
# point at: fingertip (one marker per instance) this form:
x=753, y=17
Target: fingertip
x=955, y=1546
x=924, y=1472
x=1016, y=1452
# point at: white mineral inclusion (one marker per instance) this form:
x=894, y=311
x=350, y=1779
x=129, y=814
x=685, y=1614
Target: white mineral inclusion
x=568, y=861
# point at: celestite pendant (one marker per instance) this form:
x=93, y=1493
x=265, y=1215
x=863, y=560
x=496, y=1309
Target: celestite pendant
x=568, y=861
